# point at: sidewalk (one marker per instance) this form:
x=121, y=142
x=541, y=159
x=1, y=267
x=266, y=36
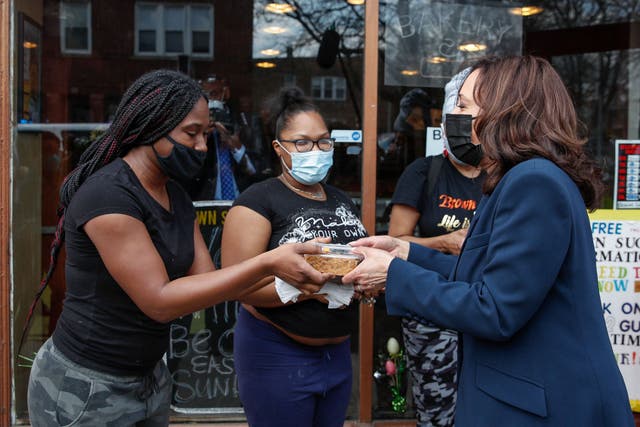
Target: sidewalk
x=386, y=423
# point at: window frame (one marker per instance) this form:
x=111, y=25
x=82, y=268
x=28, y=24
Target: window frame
x=187, y=30
x=63, y=37
x=337, y=83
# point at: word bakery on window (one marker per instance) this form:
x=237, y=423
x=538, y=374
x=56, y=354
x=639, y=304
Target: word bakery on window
x=170, y=30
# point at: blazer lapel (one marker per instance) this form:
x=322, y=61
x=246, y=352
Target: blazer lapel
x=474, y=221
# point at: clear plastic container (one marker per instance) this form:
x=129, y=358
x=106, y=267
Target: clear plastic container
x=334, y=259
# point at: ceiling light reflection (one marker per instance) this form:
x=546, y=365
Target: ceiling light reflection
x=270, y=52
x=265, y=64
x=274, y=29
x=526, y=10
x=437, y=59
x=472, y=47
x=280, y=8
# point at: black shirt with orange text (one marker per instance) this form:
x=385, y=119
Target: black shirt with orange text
x=451, y=204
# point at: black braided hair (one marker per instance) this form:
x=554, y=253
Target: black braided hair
x=290, y=102
x=150, y=108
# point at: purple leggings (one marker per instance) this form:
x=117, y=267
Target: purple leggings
x=283, y=383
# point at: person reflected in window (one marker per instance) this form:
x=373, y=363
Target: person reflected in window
x=439, y=195
x=410, y=125
x=135, y=260
x=291, y=350
x=523, y=293
x=229, y=166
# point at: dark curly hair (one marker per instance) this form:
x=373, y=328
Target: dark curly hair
x=289, y=102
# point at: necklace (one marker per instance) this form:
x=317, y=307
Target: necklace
x=318, y=195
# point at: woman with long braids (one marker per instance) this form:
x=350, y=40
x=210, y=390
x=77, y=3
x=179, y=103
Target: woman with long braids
x=135, y=261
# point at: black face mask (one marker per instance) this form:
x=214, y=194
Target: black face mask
x=183, y=163
x=458, y=132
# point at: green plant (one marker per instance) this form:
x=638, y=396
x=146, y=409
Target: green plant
x=392, y=366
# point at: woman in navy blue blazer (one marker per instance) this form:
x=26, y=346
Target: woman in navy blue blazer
x=523, y=293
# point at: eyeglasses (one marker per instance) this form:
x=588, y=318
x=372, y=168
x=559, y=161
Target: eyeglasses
x=305, y=145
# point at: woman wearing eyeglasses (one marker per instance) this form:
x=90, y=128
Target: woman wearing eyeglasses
x=292, y=349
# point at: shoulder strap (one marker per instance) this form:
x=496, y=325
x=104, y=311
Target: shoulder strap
x=434, y=171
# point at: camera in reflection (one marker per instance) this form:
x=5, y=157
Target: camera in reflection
x=220, y=112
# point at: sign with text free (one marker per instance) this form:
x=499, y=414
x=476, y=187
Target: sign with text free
x=616, y=237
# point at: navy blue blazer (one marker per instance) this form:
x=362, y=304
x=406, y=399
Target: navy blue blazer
x=534, y=349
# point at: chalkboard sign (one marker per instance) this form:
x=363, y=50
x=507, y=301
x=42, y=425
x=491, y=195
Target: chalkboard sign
x=426, y=42
x=200, y=355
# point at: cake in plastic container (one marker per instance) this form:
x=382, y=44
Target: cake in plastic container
x=334, y=259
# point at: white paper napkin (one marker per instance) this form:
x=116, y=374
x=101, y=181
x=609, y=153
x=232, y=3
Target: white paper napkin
x=337, y=294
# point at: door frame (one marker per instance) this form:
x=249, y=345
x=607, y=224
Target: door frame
x=6, y=374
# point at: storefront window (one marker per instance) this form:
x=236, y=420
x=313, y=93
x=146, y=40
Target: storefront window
x=423, y=43
x=242, y=53
x=83, y=55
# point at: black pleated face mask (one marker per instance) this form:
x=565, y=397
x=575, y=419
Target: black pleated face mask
x=458, y=132
x=183, y=163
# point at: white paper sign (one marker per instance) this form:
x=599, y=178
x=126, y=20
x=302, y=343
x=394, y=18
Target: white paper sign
x=435, y=142
x=616, y=237
x=347, y=135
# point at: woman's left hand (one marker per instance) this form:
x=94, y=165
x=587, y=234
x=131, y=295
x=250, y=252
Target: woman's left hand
x=371, y=274
x=288, y=263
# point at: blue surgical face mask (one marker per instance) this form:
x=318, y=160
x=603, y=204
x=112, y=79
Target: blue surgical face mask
x=183, y=163
x=309, y=168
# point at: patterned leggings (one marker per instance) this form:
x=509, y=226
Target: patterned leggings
x=432, y=363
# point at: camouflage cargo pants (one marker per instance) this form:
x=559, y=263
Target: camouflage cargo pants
x=432, y=366
x=63, y=393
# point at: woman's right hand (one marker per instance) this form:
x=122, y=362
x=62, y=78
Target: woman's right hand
x=370, y=276
x=396, y=247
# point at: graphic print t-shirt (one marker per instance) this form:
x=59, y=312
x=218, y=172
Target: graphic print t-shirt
x=295, y=218
x=449, y=207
